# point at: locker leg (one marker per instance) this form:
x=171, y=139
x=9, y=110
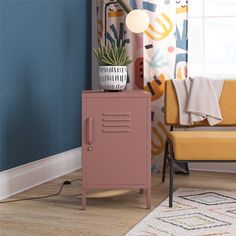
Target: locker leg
x=141, y=190
x=84, y=199
x=149, y=198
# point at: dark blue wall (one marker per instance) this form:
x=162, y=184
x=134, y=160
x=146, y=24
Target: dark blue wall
x=44, y=65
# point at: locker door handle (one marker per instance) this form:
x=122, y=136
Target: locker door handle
x=90, y=131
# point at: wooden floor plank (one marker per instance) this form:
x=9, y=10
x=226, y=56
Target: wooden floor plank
x=112, y=215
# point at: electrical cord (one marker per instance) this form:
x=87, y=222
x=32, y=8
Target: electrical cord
x=67, y=182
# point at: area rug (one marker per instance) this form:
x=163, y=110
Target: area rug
x=195, y=213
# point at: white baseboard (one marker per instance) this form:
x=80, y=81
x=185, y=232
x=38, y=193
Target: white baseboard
x=21, y=178
x=214, y=167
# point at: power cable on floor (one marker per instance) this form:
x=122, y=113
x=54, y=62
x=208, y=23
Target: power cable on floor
x=67, y=182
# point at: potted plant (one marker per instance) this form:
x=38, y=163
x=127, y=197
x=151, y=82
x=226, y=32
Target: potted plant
x=113, y=60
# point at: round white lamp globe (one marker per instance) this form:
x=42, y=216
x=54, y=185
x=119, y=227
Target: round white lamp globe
x=137, y=21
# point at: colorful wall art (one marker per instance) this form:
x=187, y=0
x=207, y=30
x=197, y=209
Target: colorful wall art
x=159, y=54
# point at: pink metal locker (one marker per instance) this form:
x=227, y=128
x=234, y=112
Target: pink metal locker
x=116, y=141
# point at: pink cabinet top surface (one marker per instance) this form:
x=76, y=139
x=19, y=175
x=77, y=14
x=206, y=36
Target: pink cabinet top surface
x=99, y=93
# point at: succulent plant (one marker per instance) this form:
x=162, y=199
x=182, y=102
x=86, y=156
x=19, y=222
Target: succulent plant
x=114, y=54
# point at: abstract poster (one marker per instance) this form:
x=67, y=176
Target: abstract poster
x=158, y=54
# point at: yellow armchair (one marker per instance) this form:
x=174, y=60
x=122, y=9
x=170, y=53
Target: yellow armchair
x=200, y=146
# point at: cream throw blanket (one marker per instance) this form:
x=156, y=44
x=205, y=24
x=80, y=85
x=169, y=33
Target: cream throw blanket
x=198, y=100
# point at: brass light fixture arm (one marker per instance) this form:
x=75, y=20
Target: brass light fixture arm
x=125, y=6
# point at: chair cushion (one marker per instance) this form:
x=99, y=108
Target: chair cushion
x=204, y=145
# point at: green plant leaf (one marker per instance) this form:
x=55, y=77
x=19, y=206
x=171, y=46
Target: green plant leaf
x=112, y=54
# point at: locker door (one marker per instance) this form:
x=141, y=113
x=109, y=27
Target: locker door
x=116, y=134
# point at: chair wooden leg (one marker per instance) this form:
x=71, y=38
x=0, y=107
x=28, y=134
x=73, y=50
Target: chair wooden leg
x=164, y=162
x=171, y=177
x=141, y=190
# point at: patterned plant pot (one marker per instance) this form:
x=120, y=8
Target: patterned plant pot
x=112, y=78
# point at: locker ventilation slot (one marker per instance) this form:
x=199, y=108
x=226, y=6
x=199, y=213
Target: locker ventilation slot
x=116, y=122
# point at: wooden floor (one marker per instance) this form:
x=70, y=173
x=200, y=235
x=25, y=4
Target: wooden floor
x=112, y=215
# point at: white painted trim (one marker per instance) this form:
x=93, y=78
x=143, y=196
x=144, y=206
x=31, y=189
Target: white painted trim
x=214, y=167
x=211, y=170
x=21, y=178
